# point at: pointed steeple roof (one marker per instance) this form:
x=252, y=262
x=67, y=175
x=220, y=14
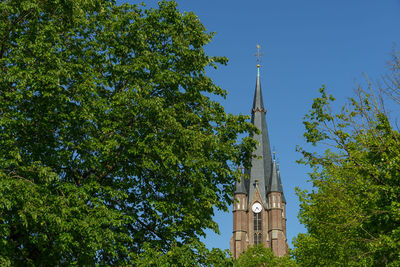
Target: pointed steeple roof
x=240, y=187
x=280, y=184
x=276, y=183
x=258, y=103
x=261, y=164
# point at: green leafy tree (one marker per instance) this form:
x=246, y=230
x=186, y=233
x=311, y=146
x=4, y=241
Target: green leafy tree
x=194, y=254
x=260, y=256
x=352, y=216
x=108, y=136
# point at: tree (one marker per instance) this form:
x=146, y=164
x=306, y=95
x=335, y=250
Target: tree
x=108, y=136
x=352, y=215
x=195, y=254
x=260, y=256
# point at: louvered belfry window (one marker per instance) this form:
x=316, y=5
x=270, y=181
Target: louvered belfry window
x=257, y=228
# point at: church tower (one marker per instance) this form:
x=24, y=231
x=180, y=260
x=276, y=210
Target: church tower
x=259, y=210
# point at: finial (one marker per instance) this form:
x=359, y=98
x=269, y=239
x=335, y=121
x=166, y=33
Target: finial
x=274, y=154
x=258, y=55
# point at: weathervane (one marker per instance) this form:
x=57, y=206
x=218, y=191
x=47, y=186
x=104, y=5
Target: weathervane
x=258, y=55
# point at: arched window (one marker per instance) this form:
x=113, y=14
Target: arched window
x=257, y=228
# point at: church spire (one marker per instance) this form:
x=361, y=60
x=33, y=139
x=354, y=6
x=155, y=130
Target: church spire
x=261, y=164
x=260, y=206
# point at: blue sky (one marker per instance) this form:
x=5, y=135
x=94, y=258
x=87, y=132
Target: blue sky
x=305, y=44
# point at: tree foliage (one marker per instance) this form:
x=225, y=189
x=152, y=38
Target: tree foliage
x=108, y=136
x=193, y=254
x=352, y=215
x=260, y=256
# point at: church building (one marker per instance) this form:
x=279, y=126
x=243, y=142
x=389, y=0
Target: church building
x=259, y=214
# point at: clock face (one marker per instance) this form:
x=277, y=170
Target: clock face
x=257, y=207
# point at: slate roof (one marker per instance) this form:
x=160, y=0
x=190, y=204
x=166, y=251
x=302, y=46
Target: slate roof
x=261, y=165
x=276, y=183
x=240, y=187
x=264, y=170
x=280, y=188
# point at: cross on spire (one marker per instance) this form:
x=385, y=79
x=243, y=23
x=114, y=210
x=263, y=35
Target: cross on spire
x=258, y=55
